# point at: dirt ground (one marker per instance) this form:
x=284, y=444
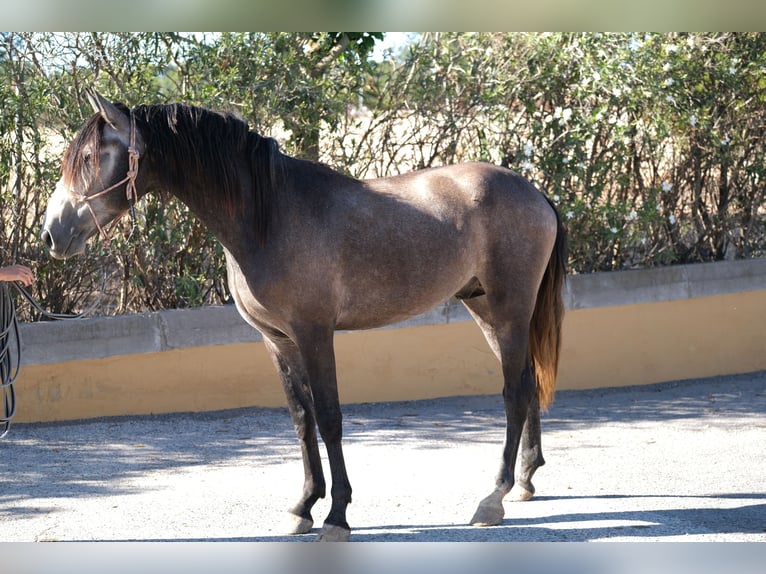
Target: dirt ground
x=678, y=461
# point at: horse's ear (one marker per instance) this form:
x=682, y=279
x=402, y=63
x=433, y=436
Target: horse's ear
x=93, y=99
x=107, y=109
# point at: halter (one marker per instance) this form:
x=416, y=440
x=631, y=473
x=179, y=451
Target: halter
x=130, y=187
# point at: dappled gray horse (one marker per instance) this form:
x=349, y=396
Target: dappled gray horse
x=310, y=250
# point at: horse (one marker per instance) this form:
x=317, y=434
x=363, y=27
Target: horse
x=310, y=250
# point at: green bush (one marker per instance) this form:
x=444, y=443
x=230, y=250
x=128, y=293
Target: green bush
x=651, y=145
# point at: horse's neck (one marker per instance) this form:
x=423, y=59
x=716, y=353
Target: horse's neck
x=302, y=188
x=227, y=228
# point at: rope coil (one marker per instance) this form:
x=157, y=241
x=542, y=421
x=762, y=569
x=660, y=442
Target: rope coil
x=10, y=345
x=10, y=356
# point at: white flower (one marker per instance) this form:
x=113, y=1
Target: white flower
x=666, y=186
x=670, y=48
x=570, y=214
x=666, y=67
x=672, y=219
x=613, y=229
x=565, y=160
x=528, y=165
x=693, y=120
x=529, y=149
x=566, y=114
x=632, y=216
x=669, y=82
x=658, y=207
x=671, y=100
x=635, y=44
x=596, y=76
x=556, y=198
x=725, y=141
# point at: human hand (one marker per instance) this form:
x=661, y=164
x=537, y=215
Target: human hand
x=17, y=272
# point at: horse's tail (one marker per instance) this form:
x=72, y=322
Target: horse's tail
x=545, y=327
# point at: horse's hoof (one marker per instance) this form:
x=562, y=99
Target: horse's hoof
x=521, y=494
x=489, y=513
x=295, y=524
x=333, y=533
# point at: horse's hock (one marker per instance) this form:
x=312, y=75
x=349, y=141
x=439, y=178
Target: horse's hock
x=621, y=328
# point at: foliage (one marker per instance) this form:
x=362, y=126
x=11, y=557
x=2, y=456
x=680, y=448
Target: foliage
x=651, y=145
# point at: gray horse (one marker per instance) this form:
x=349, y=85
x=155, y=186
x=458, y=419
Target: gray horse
x=310, y=250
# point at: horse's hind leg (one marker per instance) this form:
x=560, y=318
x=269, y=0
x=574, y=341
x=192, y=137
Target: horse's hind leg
x=290, y=367
x=508, y=340
x=530, y=454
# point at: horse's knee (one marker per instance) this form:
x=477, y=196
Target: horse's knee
x=330, y=426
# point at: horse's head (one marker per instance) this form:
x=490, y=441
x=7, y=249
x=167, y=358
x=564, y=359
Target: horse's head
x=97, y=185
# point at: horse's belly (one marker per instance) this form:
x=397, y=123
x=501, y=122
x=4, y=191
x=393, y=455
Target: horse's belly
x=378, y=305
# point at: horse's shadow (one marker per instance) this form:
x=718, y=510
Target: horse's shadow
x=570, y=527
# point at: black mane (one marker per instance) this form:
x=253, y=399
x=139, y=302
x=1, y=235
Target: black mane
x=199, y=153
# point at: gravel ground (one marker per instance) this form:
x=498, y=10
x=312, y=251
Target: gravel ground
x=678, y=461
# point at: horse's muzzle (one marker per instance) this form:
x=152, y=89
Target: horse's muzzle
x=67, y=246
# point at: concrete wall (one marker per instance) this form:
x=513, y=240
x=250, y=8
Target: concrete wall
x=621, y=328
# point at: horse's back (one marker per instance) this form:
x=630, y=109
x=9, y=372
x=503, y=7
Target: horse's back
x=480, y=194
x=476, y=184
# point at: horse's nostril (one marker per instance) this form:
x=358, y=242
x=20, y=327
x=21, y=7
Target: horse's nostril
x=47, y=239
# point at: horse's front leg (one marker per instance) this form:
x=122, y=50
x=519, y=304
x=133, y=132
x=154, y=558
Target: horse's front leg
x=316, y=344
x=292, y=372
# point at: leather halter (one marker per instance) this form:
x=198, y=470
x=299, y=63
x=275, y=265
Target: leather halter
x=130, y=185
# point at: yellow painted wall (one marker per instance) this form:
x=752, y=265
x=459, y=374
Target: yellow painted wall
x=664, y=341
x=603, y=346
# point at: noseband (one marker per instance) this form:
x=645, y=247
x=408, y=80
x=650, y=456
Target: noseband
x=130, y=186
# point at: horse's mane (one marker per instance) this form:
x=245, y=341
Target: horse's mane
x=198, y=151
